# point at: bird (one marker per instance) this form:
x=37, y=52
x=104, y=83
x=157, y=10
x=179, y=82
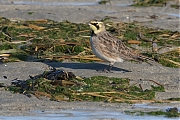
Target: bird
x=111, y=49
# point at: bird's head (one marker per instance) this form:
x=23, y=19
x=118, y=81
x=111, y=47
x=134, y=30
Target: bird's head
x=97, y=27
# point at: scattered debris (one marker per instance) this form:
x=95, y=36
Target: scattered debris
x=60, y=85
x=2, y=85
x=104, y=2
x=170, y=112
x=59, y=41
x=150, y=3
x=5, y=77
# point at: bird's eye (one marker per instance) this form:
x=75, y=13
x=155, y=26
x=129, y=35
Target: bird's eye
x=96, y=25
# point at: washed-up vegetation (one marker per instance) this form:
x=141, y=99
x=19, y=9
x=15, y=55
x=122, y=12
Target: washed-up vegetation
x=170, y=112
x=159, y=3
x=104, y=2
x=60, y=85
x=41, y=40
x=150, y=2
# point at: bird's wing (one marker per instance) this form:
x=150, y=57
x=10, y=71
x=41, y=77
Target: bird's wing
x=111, y=45
x=114, y=47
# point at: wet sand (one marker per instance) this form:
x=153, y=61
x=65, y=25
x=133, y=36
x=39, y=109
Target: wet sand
x=18, y=104
x=83, y=11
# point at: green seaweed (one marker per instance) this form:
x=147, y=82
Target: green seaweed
x=169, y=114
x=97, y=88
x=18, y=56
x=174, y=99
x=52, y=40
x=30, y=13
x=103, y=2
x=6, y=46
x=149, y=2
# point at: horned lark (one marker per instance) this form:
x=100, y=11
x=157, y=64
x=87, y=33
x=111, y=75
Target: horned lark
x=109, y=48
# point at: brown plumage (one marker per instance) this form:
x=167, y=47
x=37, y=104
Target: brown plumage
x=109, y=48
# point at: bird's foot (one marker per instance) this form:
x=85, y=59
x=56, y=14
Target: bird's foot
x=105, y=71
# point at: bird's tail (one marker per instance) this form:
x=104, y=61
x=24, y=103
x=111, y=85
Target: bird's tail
x=142, y=58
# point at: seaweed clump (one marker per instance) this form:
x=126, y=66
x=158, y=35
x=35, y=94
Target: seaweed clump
x=47, y=40
x=150, y=2
x=65, y=86
x=170, y=113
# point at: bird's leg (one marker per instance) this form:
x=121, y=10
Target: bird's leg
x=108, y=68
x=105, y=69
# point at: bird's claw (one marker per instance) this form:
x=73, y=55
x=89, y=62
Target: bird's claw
x=105, y=71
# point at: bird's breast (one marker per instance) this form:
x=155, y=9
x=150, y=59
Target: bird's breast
x=98, y=52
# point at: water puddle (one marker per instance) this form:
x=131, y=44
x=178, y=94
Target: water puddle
x=175, y=15
x=124, y=5
x=145, y=105
x=105, y=11
x=51, y=3
x=56, y=3
x=83, y=115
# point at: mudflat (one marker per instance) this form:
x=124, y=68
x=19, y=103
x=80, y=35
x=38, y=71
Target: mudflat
x=19, y=104
x=82, y=12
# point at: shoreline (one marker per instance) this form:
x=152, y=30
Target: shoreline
x=18, y=104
